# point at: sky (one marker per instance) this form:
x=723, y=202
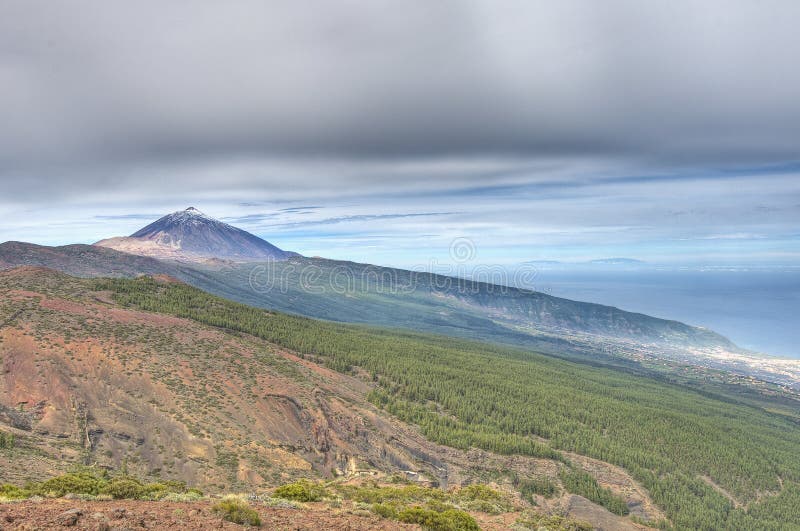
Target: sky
x=383, y=132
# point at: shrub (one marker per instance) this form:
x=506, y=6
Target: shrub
x=87, y=483
x=377, y=494
x=11, y=492
x=302, y=491
x=418, y=515
x=129, y=488
x=125, y=488
x=175, y=486
x=449, y=520
x=480, y=492
x=236, y=511
x=532, y=520
x=455, y=520
x=76, y=483
x=484, y=506
x=385, y=510
x=188, y=496
x=155, y=491
x=484, y=499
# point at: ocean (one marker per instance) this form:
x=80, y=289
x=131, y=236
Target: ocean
x=758, y=310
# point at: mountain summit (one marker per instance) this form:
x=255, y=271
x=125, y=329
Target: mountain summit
x=191, y=235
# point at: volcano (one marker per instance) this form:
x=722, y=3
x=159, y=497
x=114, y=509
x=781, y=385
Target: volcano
x=191, y=235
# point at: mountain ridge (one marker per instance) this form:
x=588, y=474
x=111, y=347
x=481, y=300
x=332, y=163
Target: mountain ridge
x=399, y=298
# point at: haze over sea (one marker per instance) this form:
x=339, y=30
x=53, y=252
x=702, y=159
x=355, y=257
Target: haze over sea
x=757, y=308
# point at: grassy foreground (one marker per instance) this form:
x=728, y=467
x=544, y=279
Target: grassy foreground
x=432, y=508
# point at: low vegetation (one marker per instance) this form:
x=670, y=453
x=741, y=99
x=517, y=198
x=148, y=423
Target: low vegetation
x=301, y=491
x=12, y=492
x=237, y=511
x=537, y=521
x=432, y=508
x=89, y=483
x=446, y=520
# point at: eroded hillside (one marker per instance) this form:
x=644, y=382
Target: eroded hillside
x=87, y=381
x=168, y=395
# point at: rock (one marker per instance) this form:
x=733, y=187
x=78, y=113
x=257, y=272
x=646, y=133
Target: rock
x=118, y=513
x=69, y=518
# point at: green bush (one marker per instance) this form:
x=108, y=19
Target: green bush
x=480, y=492
x=190, y=495
x=418, y=515
x=455, y=520
x=302, y=491
x=385, y=510
x=533, y=520
x=373, y=493
x=125, y=488
x=172, y=490
x=91, y=483
x=449, y=520
x=11, y=492
x=236, y=511
x=75, y=483
x=483, y=499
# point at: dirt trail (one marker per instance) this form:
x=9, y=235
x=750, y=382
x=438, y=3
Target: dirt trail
x=710, y=482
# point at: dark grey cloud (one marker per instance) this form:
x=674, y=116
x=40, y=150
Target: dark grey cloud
x=381, y=130
x=189, y=94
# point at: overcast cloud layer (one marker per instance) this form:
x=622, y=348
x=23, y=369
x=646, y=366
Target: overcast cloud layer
x=659, y=130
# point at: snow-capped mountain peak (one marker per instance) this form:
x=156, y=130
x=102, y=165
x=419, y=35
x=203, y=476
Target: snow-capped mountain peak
x=191, y=234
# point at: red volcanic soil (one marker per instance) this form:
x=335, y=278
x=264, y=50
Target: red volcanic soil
x=130, y=515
